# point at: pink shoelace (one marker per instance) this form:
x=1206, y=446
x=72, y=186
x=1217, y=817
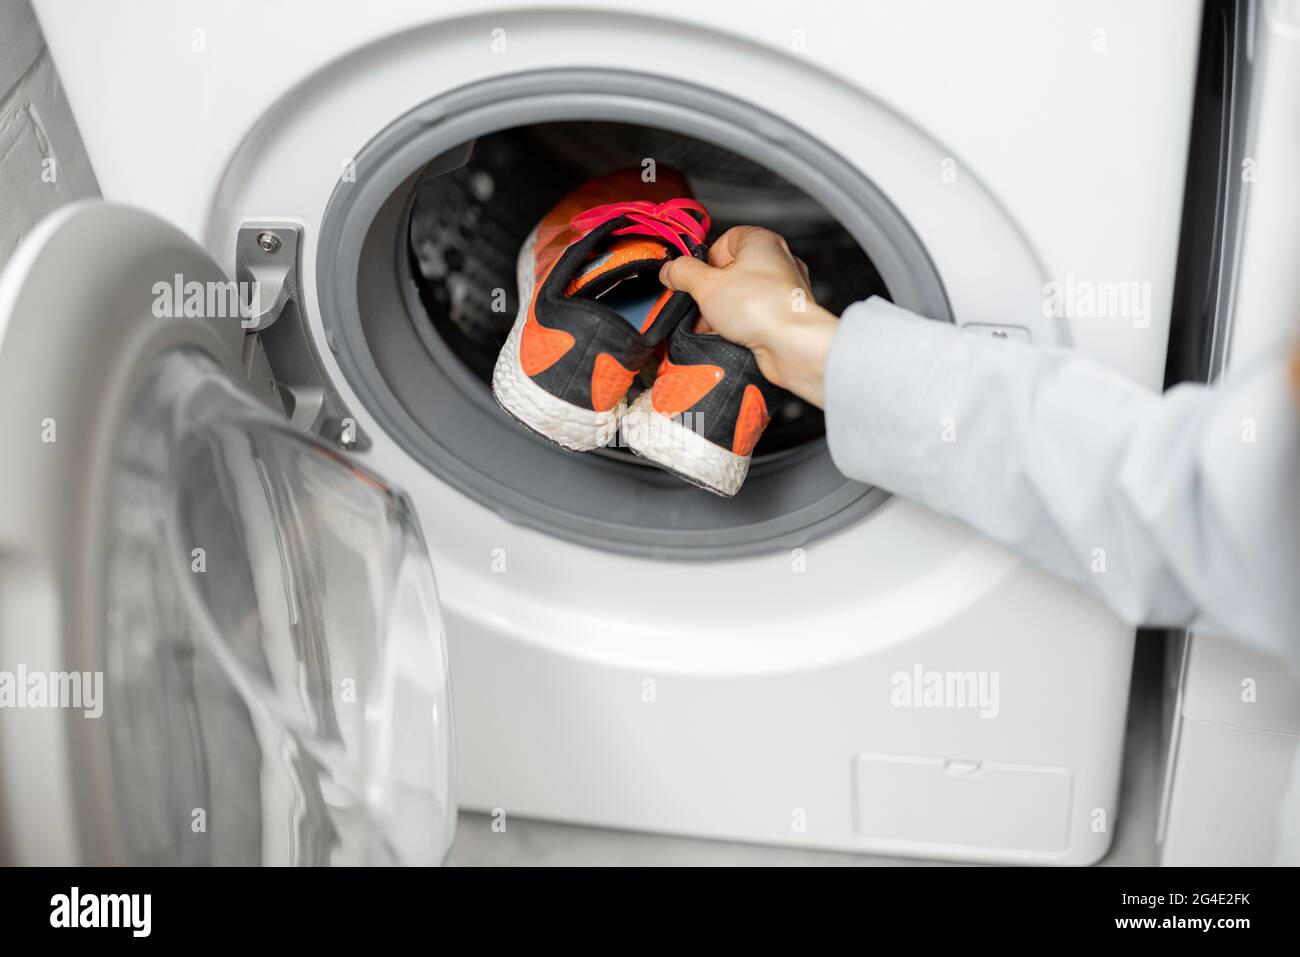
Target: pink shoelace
x=669, y=220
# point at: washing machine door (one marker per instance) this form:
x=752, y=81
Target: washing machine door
x=220, y=641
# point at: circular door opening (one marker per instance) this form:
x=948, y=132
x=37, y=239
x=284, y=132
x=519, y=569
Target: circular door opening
x=466, y=227
x=416, y=269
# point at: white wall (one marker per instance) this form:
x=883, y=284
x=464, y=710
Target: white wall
x=43, y=163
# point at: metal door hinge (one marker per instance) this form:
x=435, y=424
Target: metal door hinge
x=268, y=254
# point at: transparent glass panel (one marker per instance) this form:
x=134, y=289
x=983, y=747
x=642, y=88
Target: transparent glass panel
x=277, y=677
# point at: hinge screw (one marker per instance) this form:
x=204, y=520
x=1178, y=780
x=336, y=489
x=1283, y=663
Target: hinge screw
x=269, y=242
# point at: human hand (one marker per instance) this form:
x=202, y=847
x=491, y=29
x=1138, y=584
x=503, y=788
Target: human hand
x=756, y=293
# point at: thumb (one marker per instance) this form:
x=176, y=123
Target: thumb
x=686, y=274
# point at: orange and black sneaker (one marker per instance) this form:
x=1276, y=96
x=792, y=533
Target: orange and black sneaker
x=705, y=413
x=591, y=308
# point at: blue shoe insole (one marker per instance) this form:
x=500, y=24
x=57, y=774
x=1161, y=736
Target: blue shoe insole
x=633, y=298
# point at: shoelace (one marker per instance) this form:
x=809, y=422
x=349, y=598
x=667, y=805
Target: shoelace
x=669, y=220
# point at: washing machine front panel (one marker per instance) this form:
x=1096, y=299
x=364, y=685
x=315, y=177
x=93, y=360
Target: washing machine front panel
x=220, y=639
x=1004, y=136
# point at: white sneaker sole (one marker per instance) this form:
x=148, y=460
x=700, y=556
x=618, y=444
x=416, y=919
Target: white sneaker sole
x=564, y=423
x=682, y=451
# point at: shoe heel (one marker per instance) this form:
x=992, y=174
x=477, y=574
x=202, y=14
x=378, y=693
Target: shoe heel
x=684, y=452
x=565, y=424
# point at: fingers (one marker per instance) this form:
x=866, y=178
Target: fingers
x=747, y=241
x=723, y=252
x=757, y=247
x=686, y=274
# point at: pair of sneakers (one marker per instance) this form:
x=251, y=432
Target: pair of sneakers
x=593, y=314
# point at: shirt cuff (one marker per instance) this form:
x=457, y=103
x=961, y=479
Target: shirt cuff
x=877, y=376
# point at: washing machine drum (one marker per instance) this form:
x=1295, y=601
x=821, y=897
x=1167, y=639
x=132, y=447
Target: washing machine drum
x=219, y=638
x=468, y=225
x=417, y=343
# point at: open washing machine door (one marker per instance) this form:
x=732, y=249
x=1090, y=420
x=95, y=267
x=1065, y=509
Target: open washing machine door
x=220, y=641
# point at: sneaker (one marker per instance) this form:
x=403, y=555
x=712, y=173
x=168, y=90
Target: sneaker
x=591, y=308
x=705, y=413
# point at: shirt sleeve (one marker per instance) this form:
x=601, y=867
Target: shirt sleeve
x=1176, y=510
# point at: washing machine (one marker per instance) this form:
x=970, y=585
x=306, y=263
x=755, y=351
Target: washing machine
x=624, y=650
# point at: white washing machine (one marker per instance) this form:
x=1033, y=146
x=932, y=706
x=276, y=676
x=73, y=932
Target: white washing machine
x=625, y=650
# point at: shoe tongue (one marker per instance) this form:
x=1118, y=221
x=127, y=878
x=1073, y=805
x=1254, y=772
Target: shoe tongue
x=628, y=254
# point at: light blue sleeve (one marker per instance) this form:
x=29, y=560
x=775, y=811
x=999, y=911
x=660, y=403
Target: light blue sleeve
x=1180, y=509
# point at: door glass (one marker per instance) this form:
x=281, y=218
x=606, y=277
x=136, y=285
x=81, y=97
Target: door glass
x=277, y=683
